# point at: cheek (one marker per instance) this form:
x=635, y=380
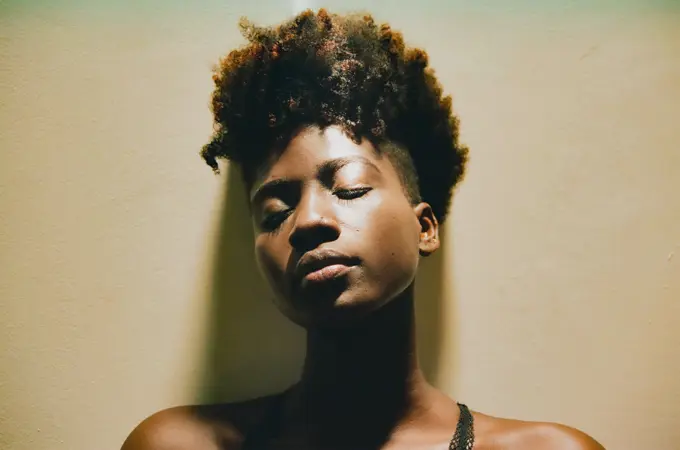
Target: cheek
x=401, y=242
x=269, y=261
x=392, y=235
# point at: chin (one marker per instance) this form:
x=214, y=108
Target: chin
x=342, y=311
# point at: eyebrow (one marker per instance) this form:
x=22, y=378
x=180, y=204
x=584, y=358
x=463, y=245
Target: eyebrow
x=327, y=170
x=324, y=172
x=269, y=189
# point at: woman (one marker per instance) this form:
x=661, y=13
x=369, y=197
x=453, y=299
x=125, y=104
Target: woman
x=349, y=153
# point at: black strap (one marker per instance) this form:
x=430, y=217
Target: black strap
x=464, y=437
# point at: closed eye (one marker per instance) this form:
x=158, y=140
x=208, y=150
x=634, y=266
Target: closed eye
x=351, y=194
x=273, y=221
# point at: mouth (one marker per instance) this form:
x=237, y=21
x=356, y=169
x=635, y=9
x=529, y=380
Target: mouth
x=327, y=273
x=322, y=266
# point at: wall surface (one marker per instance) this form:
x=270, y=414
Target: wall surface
x=127, y=281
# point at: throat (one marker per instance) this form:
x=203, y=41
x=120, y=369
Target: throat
x=364, y=377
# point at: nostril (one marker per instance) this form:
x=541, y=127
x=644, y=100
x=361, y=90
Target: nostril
x=311, y=235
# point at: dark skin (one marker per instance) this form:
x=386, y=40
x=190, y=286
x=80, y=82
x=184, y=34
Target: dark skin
x=339, y=241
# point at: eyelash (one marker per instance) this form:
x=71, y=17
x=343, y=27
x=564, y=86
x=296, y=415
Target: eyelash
x=351, y=194
x=273, y=221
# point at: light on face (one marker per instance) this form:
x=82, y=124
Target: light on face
x=338, y=143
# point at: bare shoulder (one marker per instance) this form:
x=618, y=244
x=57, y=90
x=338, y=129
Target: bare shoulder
x=507, y=434
x=539, y=435
x=198, y=427
x=177, y=428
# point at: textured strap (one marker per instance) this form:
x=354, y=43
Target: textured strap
x=464, y=437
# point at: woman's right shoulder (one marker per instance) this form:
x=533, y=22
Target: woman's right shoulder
x=197, y=427
x=179, y=428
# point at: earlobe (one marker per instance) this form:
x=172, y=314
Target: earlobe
x=429, y=229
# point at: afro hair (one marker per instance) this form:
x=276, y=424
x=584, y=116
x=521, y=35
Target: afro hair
x=345, y=70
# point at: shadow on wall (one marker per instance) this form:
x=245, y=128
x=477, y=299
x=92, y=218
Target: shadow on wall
x=251, y=348
x=430, y=320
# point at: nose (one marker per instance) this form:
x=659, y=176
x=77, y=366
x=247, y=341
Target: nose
x=314, y=222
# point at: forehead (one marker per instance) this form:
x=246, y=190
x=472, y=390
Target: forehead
x=310, y=148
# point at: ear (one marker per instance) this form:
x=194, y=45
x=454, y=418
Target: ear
x=429, y=229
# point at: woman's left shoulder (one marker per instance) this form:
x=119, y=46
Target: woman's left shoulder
x=494, y=433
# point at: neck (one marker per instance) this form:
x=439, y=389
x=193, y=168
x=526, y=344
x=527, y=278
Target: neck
x=364, y=375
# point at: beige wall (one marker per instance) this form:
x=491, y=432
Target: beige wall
x=125, y=274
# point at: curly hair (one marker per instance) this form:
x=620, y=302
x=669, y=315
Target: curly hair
x=325, y=69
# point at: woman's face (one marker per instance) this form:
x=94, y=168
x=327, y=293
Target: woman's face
x=336, y=236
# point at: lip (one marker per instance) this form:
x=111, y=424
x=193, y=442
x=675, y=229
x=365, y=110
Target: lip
x=323, y=265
